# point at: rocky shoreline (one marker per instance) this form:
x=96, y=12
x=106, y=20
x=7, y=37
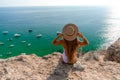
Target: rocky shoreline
x=98, y=66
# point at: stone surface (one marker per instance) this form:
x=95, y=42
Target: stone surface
x=113, y=52
x=89, y=66
x=32, y=67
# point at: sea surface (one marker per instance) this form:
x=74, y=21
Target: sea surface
x=100, y=25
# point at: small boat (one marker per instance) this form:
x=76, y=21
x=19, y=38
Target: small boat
x=39, y=35
x=58, y=32
x=10, y=39
x=17, y=35
x=30, y=30
x=5, y=32
x=23, y=41
x=12, y=45
x=1, y=43
x=29, y=44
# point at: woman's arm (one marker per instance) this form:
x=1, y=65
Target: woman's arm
x=85, y=41
x=56, y=41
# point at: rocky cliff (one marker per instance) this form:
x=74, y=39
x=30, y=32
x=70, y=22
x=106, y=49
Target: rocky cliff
x=32, y=67
x=114, y=52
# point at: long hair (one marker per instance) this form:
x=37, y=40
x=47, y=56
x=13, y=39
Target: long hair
x=71, y=47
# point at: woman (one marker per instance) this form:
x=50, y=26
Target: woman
x=70, y=43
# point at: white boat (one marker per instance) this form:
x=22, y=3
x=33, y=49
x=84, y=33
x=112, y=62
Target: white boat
x=1, y=43
x=58, y=32
x=5, y=32
x=39, y=35
x=12, y=45
x=23, y=41
x=17, y=35
x=29, y=44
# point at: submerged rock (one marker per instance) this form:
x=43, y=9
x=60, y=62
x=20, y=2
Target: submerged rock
x=9, y=53
x=30, y=30
x=10, y=39
x=0, y=55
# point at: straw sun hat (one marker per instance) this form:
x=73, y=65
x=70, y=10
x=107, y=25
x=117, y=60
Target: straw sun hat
x=70, y=32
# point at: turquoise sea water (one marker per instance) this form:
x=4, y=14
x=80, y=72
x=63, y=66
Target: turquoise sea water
x=100, y=25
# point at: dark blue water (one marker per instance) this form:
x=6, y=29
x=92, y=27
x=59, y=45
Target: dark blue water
x=92, y=22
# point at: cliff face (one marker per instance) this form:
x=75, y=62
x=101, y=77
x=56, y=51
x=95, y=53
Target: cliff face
x=32, y=67
x=114, y=52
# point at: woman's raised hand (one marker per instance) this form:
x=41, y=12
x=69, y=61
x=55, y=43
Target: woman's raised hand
x=60, y=35
x=80, y=35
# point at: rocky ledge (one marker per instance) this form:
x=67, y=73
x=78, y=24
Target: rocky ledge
x=31, y=67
